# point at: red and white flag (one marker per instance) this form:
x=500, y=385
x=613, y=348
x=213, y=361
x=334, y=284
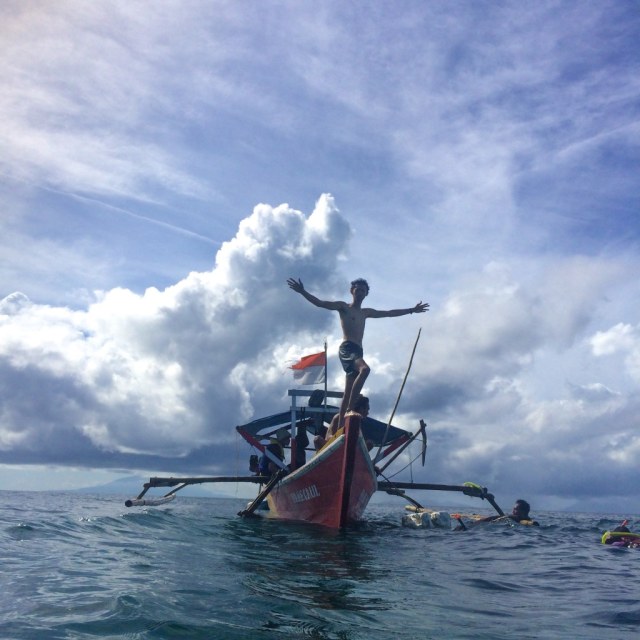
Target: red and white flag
x=310, y=369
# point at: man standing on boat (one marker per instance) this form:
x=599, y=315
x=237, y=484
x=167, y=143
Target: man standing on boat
x=361, y=407
x=353, y=318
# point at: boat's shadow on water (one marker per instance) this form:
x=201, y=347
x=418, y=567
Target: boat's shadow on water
x=307, y=564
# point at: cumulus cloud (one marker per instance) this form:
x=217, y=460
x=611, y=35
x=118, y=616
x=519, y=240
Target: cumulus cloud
x=576, y=452
x=494, y=325
x=488, y=423
x=502, y=144
x=164, y=373
x=161, y=378
x=621, y=338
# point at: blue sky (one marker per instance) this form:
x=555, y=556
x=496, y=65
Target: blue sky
x=166, y=166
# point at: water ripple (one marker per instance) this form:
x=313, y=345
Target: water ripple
x=77, y=567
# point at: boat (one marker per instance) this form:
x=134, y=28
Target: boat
x=330, y=487
x=333, y=487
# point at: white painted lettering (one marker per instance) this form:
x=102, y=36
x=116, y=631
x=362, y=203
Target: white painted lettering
x=307, y=493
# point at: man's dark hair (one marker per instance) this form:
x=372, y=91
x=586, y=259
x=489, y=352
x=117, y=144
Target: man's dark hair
x=360, y=281
x=360, y=403
x=524, y=506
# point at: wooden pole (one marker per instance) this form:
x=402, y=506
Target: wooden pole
x=263, y=494
x=469, y=489
x=406, y=375
x=325, y=374
x=404, y=446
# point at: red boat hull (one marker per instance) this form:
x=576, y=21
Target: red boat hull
x=333, y=489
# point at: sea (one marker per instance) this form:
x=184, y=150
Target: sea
x=77, y=566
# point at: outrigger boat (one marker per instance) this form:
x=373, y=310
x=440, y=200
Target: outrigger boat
x=330, y=487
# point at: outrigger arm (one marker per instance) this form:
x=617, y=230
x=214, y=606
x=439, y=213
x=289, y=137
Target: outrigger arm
x=468, y=489
x=181, y=483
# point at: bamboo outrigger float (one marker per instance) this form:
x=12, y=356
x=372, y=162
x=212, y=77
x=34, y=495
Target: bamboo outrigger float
x=331, y=487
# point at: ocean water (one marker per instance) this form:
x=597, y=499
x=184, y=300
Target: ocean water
x=78, y=566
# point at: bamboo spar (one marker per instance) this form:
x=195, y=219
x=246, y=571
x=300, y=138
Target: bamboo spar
x=181, y=483
x=393, y=413
x=264, y=493
x=468, y=489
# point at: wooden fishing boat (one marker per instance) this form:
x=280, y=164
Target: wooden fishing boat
x=334, y=487
x=330, y=487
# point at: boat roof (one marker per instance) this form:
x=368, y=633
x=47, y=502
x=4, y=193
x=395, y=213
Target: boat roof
x=315, y=418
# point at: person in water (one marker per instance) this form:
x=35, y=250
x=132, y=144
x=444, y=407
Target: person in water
x=361, y=407
x=622, y=536
x=353, y=318
x=519, y=514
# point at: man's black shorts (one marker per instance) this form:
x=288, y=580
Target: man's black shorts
x=348, y=353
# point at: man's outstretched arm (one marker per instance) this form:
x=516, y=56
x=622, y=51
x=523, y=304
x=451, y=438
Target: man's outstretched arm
x=298, y=287
x=421, y=307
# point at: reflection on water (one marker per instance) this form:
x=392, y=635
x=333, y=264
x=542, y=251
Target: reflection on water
x=308, y=564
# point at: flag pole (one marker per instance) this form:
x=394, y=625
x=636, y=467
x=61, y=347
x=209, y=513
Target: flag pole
x=325, y=374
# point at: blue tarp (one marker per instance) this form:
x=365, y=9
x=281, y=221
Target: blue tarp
x=315, y=420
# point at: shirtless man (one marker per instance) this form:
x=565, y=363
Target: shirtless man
x=352, y=319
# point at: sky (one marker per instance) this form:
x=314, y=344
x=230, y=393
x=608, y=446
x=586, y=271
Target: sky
x=167, y=165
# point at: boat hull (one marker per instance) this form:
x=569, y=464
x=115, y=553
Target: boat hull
x=333, y=489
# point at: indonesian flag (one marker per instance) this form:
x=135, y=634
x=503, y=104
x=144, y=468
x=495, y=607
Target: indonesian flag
x=310, y=369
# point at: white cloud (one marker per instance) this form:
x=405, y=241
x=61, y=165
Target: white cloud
x=135, y=378
x=621, y=338
x=166, y=372
x=485, y=159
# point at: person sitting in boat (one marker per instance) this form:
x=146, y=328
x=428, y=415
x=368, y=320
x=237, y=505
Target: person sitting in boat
x=320, y=438
x=361, y=407
x=302, y=442
x=519, y=514
x=276, y=447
